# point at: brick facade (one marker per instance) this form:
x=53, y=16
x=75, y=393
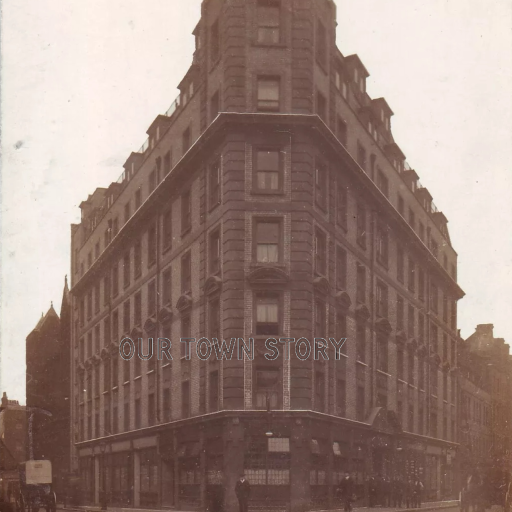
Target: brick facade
x=361, y=253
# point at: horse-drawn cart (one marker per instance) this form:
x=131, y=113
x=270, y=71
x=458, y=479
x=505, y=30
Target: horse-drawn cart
x=36, y=487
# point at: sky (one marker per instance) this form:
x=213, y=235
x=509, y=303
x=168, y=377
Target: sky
x=82, y=81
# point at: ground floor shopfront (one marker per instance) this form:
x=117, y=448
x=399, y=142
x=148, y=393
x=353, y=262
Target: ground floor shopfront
x=293, y=460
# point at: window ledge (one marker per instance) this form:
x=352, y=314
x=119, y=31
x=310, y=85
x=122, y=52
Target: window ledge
x=126, y=382
x=137, y=378
x=150, y=372
x=115, y=388
x=402, y=381
x=362, y=363
x=382, y=372
x=258, y=44
x=262, y=192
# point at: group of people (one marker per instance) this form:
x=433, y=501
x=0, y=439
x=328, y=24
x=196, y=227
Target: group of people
x=395, y=492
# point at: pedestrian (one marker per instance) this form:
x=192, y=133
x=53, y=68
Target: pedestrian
x=418, y=493
x=399, y=492
x=243, y=491
x=386, y=491
x=408, y=488
x=346, y=492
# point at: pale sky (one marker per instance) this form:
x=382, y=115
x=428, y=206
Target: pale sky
x=83, y=80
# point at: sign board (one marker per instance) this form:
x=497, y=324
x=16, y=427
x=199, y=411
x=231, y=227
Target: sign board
x=38, y=472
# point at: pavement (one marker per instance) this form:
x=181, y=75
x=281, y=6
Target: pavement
x=444, y=506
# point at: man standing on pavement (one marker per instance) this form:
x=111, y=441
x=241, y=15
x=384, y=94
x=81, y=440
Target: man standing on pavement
x=242, y=491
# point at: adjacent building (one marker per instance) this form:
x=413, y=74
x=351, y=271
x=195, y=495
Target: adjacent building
x=488, y=414
x=270, y=201
x=13, y=430
x=47, y=388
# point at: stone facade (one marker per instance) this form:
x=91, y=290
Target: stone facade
x=270, y=201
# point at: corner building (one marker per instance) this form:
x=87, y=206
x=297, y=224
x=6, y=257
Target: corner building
x=269, y=201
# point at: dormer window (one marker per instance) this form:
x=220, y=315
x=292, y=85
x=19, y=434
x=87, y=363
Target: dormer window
x=356, y=76
x=191, y=90
x=198, y=42
x=362, y=84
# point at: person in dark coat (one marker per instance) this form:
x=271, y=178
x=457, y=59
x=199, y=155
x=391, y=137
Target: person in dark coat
x=243, y=491
x=346, y=492
x=408, y=493
x=418, y=493
x=397, y=487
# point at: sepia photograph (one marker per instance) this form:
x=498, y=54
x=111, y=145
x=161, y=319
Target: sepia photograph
x=255, y=255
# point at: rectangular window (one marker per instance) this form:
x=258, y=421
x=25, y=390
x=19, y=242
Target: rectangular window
x=97, y=297
x=267, y=314
x=214, y=319
x=214, y=184
x=361, y=225
x=445, y=308
x=167, y=163
x=321, y=181
x=115, y=326
x=269, y=169
x=138, y=417
x=321, y=106
x=433, y=380
x=360, y=403
x=89, y=305
x=185, y=141
x=341, y=397
x=115, y=280
x=167, y=229
x=151, y=409
x=434, y=298
x=268, y=94
x=382, y=244
x=382, y=353
x=319, y=391
x=434, y=338
x=97, y=341
x=453, y=315
x=400, y=264
x=319, y=319
x=267, y=241
x=361, y=156
x=342, y=203
x=341, y=268
x=266, y=394
x=400, y=363
x=215, y=41
x=268, y=22
x=361, y=284
x=410, y=418
x=214, y=252
x=213, y=392
x=214, y=106
x=341, y=330
x=421, y=284
x=399, y=313
x=382, y=183
x=421, y=229
x=138, y=198
x=97, y=251
x=185, y=399
x=186, y=212
x=411, y=280
x=137, y=309
x=320, y=253
x=126, y=417
x=151, y=245
x=126, y=269
x=137, y=260
x=341, y=130
x=412, y=219
x=321, y=43
x=126, y=317
x=151, y=181
x=152, y=298
x=410, y=367
x=186, y=273
x=401, y=205
x=410, y=321
x=106, y=332
x=360, y=342
x=186, y=330
x=382, y=300
x=167, y=286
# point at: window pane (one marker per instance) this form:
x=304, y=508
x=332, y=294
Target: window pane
x=266, y=313
x=267, y=160
x=268, y=89
x=268, y=232
x=267, y=253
